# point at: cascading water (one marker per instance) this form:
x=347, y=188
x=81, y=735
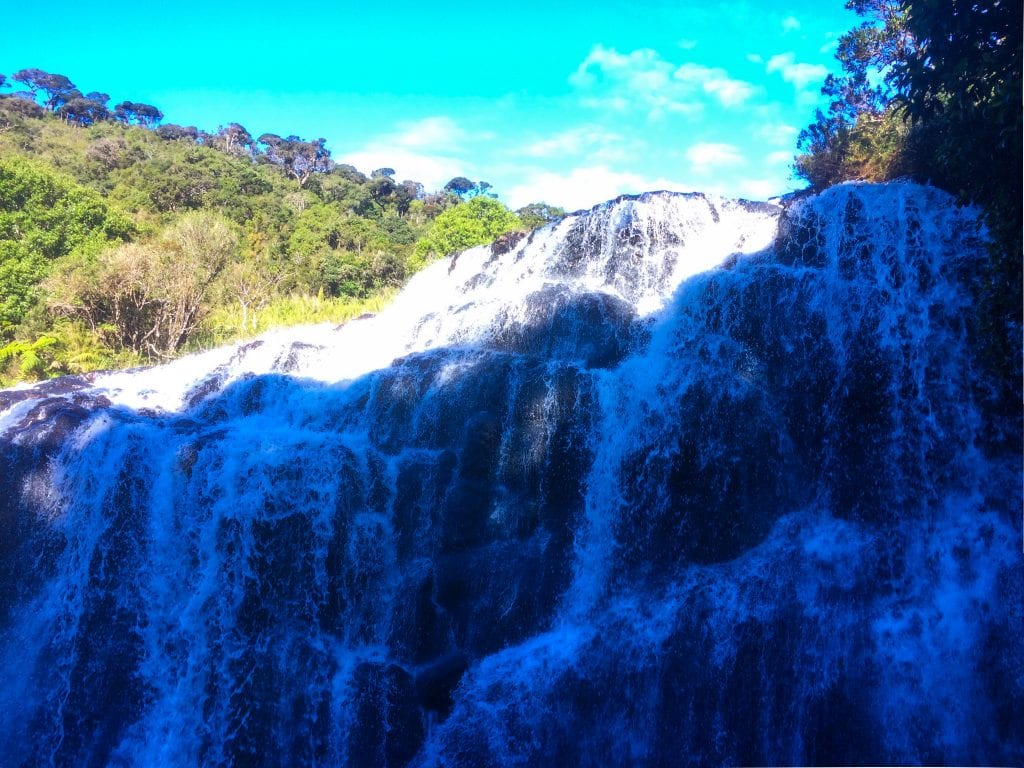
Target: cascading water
x=679, y=480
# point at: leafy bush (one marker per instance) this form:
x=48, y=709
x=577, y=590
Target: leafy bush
x=475, y=222
x=45, y=216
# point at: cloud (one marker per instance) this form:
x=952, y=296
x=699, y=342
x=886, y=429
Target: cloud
x=782, y=157
x=790, y=23
x=800, y=75
x=778, y=134
x=434, y=132
x=583, y=187
x=644, y=80
x=687, y=45
x=716, y=82
x=707, y=156
x=592, y=140
x=760, y=189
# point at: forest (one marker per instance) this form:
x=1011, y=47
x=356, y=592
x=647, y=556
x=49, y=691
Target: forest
x=127, y=240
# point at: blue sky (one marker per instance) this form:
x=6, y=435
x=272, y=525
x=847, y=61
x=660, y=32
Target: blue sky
x=568, y=103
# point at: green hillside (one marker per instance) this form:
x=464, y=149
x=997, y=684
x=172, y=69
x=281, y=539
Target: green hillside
x=127, y=241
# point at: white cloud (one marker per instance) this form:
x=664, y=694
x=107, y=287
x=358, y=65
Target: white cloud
x=800, y=75
x=760, y=189
x=782, y=157
x=434, y=132
x=707, y=156
x=583, y=187
x=755, y=58
x=643, y=67
x=644, y=80
x=777, y=134
x=687, y=45
x=591, y=139
x=716, y=82
x=790, y=23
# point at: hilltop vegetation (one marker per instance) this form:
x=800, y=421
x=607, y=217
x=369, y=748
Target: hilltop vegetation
x=930, y=90
x=125, y=240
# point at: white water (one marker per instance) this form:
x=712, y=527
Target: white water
x=463, y=301
x=657, y=485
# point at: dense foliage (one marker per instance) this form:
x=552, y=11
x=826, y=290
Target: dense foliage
x=124, y=239
x=930, y=89
x=479, y=220
x=43, y=217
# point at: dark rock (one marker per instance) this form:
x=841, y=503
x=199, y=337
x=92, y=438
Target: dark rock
x=506, y=242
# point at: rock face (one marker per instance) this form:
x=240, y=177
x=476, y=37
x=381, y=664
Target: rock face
x=679, y=480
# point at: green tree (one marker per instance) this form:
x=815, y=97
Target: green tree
x=538, y=214
x=297, y=158
x=43, y=217
x=148, y=297
x=466, y=189
x=477, y=221
x=172, y=132
x=58, y=88
x=233, y=139
x=961, y=89
x=84, y=110
x=129, y=112
x=858, y=137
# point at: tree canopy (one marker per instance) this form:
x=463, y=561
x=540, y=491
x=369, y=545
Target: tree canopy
x=474, y=222
x=467, y=189
x=929, y=89
x=43, y=217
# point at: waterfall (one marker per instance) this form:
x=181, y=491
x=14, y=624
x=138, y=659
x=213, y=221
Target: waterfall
x=676, y=480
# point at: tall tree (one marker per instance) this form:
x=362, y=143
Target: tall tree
x=233, y=139
x=460, y=186
x=83, y=110
x=962, y=89
x=58, y=88
x=405, y=193
x=383, y=190
x=299, y=159
x=136, y=112
x=859, y=136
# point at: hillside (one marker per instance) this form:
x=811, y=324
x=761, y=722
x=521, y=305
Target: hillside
x=102, y=219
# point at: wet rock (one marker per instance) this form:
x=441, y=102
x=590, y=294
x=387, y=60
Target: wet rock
x=506, y=242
